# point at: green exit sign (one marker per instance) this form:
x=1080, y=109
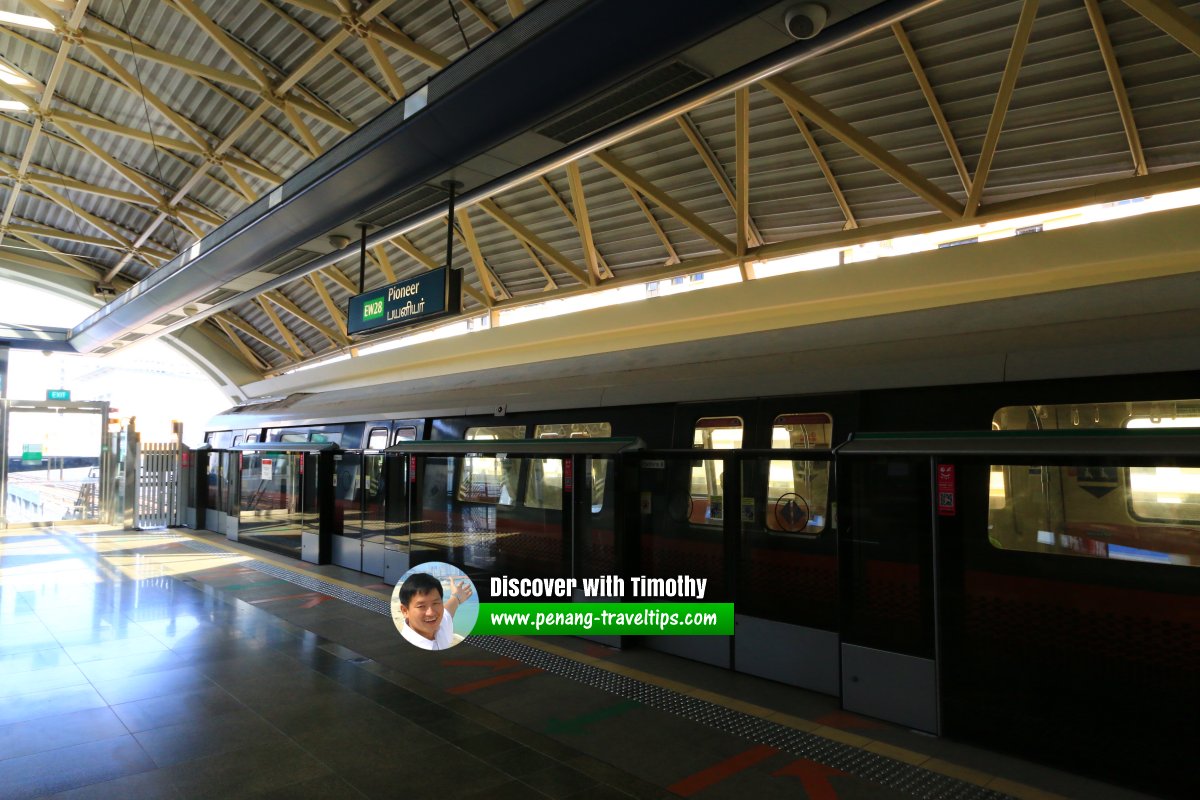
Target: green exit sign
x=58, y=394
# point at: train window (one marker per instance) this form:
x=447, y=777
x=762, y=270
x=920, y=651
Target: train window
x=490, y=479
x=378, y=439
x=712, y=433
x=293, y=437
x=1139, y=513
x=1164, y=494
x=252, y=438
x=236, y=440
x=544, y=489
x=406, y=434
x=798, y=491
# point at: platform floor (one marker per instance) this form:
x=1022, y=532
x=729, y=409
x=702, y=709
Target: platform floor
x=179, y=665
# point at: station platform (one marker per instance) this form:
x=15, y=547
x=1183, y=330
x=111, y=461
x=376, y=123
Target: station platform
x=177, y=664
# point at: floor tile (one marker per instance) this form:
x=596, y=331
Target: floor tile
x=17, y=708
x=207, y=734
x=42, y=680
x=172, y=709
x=71, y=767
x=152, y=785
x=151, y=684
x=64, y=730
x=246, y=772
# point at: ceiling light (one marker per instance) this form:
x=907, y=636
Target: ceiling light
x=25, y=21
x=13, y=105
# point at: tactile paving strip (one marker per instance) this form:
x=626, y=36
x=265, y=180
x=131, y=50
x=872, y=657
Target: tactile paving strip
x=887, y=772
x=306, y=581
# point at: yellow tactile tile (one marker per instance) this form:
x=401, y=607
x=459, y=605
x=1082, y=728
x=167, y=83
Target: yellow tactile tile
x=898, y=753
x=799, y=723
x=845, y=737
x=1022, y=791
x=729, y=702
x=956, y=771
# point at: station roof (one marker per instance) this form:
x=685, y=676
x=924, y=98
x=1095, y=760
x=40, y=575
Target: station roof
x=140, y=136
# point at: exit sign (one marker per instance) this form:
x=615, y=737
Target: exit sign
x=58, y=394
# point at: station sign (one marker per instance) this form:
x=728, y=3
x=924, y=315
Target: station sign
x=58, y=394
x=31, y=453
x=436, y=293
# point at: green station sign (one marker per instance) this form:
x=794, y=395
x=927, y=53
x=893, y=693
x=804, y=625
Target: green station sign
x=31, y=453
x=58, y=394
x=436, y=293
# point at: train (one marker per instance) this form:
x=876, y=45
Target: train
x=990, y=536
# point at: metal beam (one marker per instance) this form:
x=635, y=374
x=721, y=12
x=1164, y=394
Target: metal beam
x=1174, y=21
x=605, y=272
x=864, y=146
x=402, y=242
x=1008, y=82
x=289, y=338
x=312, y=37
x=935, y=107
x=235, y=50
x=672, y=256
x=823, y=165
x=335, y=313
x=252, y=358
x=407, y=46
x=575, y=181
x=522, y=232
x=481, y=16
x=385, y=67
x=663, y=200
x=70, y=261
x=1118, y=86
x=384, y=263
x=710, y=160
x=741, y=128
x=254, y=333
x=482, y=271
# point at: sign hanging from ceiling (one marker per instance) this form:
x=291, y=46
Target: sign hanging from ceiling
x=436, y=293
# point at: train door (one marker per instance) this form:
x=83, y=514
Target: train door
x=786, y=606
x=887, y=584
x=690, y=504
x=358, y=503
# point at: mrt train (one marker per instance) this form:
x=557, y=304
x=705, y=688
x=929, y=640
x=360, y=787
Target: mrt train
x=993, y=537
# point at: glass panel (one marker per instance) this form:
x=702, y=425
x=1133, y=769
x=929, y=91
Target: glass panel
x=347, y=494
x=798, y=491
x=1147, y=514
x=784, y=576
x=712, y=433
x=1111, y=416
x=544, y=489
x=886, y=556
x=671, y=543
x=490, y=479
x=271, y=514
x=484, y=537
x=404, y=435
x=373, y=491
x=51, y=458
x=596, y=551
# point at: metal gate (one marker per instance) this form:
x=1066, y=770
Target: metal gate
x=154, y=482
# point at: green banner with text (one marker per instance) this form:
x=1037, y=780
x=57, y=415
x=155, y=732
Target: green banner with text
x=604, y=619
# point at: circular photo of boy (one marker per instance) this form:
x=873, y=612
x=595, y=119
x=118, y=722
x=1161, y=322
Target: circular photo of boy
x=434, y=606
